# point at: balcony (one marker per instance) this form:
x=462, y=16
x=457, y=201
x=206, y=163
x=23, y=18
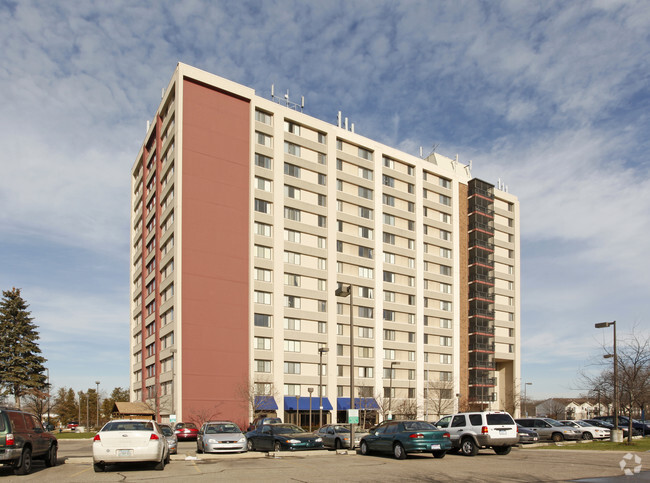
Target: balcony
x=476, y=225
x=483, y=260
x=481, y=326
x=482, y=381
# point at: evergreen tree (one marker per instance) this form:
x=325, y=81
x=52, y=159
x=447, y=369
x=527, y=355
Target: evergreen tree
x=66, y=406
x=21, y=363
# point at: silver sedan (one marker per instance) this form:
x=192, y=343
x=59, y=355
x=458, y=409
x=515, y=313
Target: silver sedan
x=220, y=437
x=338, y=436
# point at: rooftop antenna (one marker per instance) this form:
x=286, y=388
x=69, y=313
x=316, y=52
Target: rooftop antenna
x=292, y=105
x=421, y=152
x=338, y=119
x=162, y=92
x=352, y=127
x=148, y=124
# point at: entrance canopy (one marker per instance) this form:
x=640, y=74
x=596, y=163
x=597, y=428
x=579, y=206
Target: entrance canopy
x=367, y=403
x=290, y=404
x=265, y=403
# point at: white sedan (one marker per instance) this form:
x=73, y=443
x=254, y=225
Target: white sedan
x=130, y=441
x=589, y=431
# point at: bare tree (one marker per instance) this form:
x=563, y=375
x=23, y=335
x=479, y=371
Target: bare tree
x=438, y=399
x=553, y=408
x=35, y=402
x=406, y=408
x=255, y=396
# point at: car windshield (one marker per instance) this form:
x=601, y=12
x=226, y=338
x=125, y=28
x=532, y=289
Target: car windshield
x=583, y=423
x=498, y=419
x=128, y=426
x=185, y=426
x=287, y=429
x=167, y=431
x=553, y=422
x=418, y=426
x=222, y=428
x=341, y=429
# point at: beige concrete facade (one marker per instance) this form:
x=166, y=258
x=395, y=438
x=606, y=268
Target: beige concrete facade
x=326, y=206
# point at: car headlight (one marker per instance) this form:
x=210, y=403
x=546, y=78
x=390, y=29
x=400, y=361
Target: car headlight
x=242, y=439
x=318, y=440
x=293, y=441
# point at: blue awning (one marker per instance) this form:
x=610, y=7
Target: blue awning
x=265, y=403
x=290, y=403
x=367, y=403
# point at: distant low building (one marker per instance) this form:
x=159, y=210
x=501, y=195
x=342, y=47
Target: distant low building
x=570, y=408
x=132, y=410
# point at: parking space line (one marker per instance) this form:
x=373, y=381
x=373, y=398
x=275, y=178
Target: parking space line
x=80, y=472
x=196, y=467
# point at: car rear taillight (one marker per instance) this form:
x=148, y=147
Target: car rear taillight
x=416, y=435
x=484, y=430
x=153, y=436
x=9, y=440
x=446, y=435
x=97, y=438
x=517, y=428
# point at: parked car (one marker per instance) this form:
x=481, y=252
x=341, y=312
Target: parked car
x=72, y=425
x=403, y=437
x=337, y=436
x=488, y=429
x=263, y=419
x=130, y=441
x=638, y=428
x=550, y=429
x=527, y=436
x=170, y=436
x=186, y=431
x=23, y=439
x=604, y=424
x=220, y=436
x=281, y=436
x=589, y=431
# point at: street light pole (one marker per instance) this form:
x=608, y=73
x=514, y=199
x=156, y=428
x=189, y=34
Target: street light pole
x=173, y=352
x=390, y=391
x=526, y=384
x=342, y=291
x=602, y=325
x=310, y=390
x=298, y=410
x=320, y=384
x=48, y=396
x=97, y=399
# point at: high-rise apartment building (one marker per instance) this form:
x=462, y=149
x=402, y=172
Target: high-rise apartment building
x=248, y=215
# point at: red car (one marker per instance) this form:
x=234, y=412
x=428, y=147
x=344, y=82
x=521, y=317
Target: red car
x=186, y=431
x=73, y=425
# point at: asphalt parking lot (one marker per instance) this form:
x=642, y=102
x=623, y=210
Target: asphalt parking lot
x=75, y=465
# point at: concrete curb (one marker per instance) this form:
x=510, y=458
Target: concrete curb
x=82, y=460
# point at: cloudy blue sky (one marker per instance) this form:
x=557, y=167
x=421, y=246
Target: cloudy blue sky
x=551, y=97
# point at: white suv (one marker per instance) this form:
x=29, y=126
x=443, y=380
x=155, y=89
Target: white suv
x=488, y=429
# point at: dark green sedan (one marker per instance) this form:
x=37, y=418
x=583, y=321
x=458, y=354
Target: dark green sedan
x=278, y=437
x=403, y=437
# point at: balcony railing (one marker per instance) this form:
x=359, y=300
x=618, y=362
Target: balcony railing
x=481, y=327
x=481, y=226
x=482, y=381
x=482, y=260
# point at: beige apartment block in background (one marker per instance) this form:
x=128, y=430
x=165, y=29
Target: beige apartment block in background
x=246, y=216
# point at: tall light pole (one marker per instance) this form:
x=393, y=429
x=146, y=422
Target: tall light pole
x=310, y=390
x=344, y=291
x=390, y=391
x=48, y=396
x=97, y=398
x=320, y=384
x=602, y=325
x=526, y=384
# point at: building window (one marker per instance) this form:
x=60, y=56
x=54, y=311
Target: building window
x=292, y=367
x=365, y=213
x=444, y=200
x=365, y=332
x=292, y=170
x=262, y=229
x=292, y=280
x=262, y=366
x=445, y=341
x=365, y=192
x=263, y=117
x=262, y=275
x=292, y=192
x=445, y=359
x=388, y=181
x=292, y=236
x=389, y=315
x=292, y=389
x=264, y=140
x=445, y=323
x=292, y=214
x=262, y=206
x=389, y=277
x=262, y=161
x=365, y=173
x=263, y=252
x=262, y=297
x=262, y=343
x=292, y=149
x=292, y=127
x=292, y=302
x=322, y=327
x=389, y=354
x=365, y=154
x=445, y=270
x=366, y=312
x=389, y=334
x=365, y=252
x=388, y=200
x=292, y=346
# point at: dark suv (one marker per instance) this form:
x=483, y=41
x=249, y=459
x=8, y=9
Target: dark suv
x=22, y=439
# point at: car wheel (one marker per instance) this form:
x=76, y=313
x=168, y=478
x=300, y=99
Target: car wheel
x=337, y=443
x=51, y=456
x=364, y=448
x=468, y=447
x=439, y=454
x=398, y=451
x=250, y=445
x=25, y=463
x=198, y=449
x=557, y=437
x=161, y=464
x=502, y=450
x=99, y=468
x=277, y=447
x=169, y=458
x=587, y=435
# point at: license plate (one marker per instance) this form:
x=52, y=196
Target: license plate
x=124, y=452
x=503, y=432
x=435, y=446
